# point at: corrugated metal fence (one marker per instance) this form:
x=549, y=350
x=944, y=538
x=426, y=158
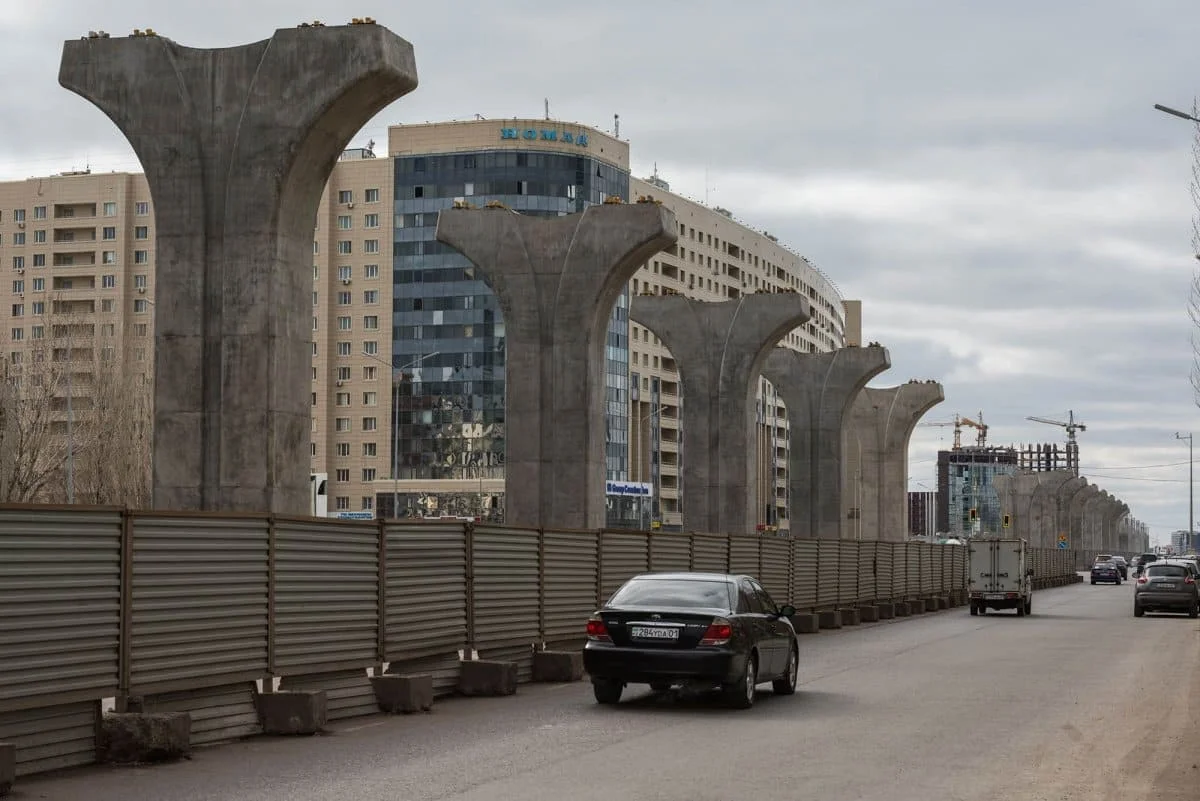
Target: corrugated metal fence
x=188, y=611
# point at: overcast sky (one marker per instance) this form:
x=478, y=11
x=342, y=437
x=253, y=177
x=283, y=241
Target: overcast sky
x=990, y=179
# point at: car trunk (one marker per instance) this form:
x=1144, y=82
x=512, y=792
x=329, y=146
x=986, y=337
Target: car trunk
x=659, y=627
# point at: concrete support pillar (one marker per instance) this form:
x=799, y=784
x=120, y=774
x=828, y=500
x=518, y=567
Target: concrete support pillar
x=818, y=390
x=1065, y=502
x=556, y=280
x=237, y=144
x=1045, y=510
x=1114, y=530
x=881, y=423
x=1016, y=493
x=1093, y=520
x=720, y=349
x=1077, y=536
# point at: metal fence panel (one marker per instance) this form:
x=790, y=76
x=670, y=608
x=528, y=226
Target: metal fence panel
x=506, y=588
x=60, y=605
x=868, y=574
x=199, y=601
x=885, y=577
x=912, y=558
x=348, y=693
x=326, y=596
x=804, y=574
x=52, y=737
x=569, y=584
x=849, y=568
x=938, y=568
x=219, y=714
x=828, y=572
x=444, y=668
x=776, y=570
x=623, y=555
x=744, y=557
x=670, y=552
x=426, y=595
x=925, y=550
x=710, y=553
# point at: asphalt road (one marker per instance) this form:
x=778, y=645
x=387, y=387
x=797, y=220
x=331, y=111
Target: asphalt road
x=1079, y=701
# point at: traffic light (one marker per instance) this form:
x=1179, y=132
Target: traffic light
x=1006, y=521
x=974, y=514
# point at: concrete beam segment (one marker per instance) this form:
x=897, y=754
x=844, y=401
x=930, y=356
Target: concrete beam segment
x=1112, y=511
x=1046, y=508
x=720, y=348
x=237, y=144
x=1077, y=533
x=1093, y=520
x=1016, y=493
x=882, y=420
x=1064, y=502
x=818, y=390
x=556, y=280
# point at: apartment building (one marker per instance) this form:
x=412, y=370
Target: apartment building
x=76, y=296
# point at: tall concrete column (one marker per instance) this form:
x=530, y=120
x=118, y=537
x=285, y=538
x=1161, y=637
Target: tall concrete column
x=818, y=390
x=1114, y=534
x=1065, y=504
x=882, y=420
x=1046, y=504
x=556, y=280
x=1078, y=532
x=1093, y=521
x=237, y=144
x=1017, y=500
x=720, y=349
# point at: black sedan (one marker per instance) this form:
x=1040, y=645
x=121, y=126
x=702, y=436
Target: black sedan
x=1106, y=571
x=701, y=630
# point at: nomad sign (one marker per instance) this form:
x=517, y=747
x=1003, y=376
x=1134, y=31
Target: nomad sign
x=545, y=135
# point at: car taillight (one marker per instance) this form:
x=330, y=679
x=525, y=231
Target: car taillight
x=596, y=630
x=1142, y=580
x=719, y=632
x=1189, y=580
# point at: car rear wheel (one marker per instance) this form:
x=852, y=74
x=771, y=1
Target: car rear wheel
x=1029, y=607
x=786, y=684
x=660, y=686
x=740, y=694
x=1138, y=611
x=607, y=691
x=1194, y=609
x=1093, y=582
x=974, y=609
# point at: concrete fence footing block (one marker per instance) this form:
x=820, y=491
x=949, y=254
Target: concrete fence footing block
x=399, y=693
x=932, y=605
x=850, y=616
x=943, y=602
x=293, y=712
x=902, y=609
x=916, y=606
x=8, y=767
x=806, y=623
x=868, y=614
x=829, y=619
x=483, y=677
x=887, y=610
x=140, y=737
x=557, y=666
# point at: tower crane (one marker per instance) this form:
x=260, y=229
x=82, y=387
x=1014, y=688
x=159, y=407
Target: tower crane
x=958, y=423
x=980, y=427
x=1071, y=426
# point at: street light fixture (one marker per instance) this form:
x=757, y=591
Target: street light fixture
x=1191, y=495
x=1176, y=113
x=396, y=421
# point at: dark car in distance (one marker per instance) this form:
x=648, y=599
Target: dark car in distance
x=1106, y=571
x=701, y=630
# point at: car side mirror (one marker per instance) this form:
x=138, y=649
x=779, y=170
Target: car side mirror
x=787, y=610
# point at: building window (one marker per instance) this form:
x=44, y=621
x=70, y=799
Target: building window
x=19, y=238
x=18, y=334
x=316, y=324
x=368, y=474
x=369, y=373
x=371, y=221
x=18, y=262
x=371, y=348
x=109, y=233
x=18, y=215
x=371, y=296
x=343, y=399
x=110, y=257
x=345, y=273
x=370, y=246
x=342, y=449
x=39, y=236
x=110, y=209
x=39, y=259
x=371, y=271
x=19, y=285
x=141, y=306
x=342, y=474
x=141, y=232
x=39, y=307
x=140, y=329
x=343, y=349
x=343, y=298
x=344, y=247
x=142, y=208
x=108, y=329
x=343, y=222
x=37, y=332
x=371, y=322
x=368, y=503
x=345, y=196
x=369, y=424
x=343, y=323
x=108, y=305
x=369, y=450
x=108, y=282
x=370, y=399
x=141, y=257
x=39, y=285
x=342, y=503
x=343, y=374
x=18, y=310
x=371, y=195
x=39, y=212
x=342, y=424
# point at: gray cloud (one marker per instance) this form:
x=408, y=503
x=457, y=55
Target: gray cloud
x=990, y=180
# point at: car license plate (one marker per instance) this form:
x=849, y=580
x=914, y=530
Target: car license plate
x=1164, y=586
x=653, y=633
x=994, y=596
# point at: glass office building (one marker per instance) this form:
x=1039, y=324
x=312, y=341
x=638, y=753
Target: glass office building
x=448, y=333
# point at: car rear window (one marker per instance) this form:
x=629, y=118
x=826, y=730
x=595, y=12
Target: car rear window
x=695, y=593
x=1176, y=571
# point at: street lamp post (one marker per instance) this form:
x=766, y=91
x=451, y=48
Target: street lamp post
x=396, y=422
x=1191, y=494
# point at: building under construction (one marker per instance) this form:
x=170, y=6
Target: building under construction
x=967, y=502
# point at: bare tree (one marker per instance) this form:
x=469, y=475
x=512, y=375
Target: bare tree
x=114, y=467
x=32, y=453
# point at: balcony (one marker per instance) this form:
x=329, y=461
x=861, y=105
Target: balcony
x=77, y=258
x=73, y=283
x=69, y=211
x=74, y=234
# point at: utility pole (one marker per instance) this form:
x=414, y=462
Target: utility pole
x=1191, y=494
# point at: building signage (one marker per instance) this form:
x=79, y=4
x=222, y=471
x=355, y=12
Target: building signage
x=545, y=135
x=628, y=488
x=356, y=515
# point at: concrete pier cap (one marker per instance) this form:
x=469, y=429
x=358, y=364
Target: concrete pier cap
x=556, y=280
x=818, y=390
x=237, y=144
x=882, y=420
x=721, y=349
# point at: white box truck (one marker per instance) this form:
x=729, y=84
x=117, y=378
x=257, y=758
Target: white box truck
x=999, y=577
